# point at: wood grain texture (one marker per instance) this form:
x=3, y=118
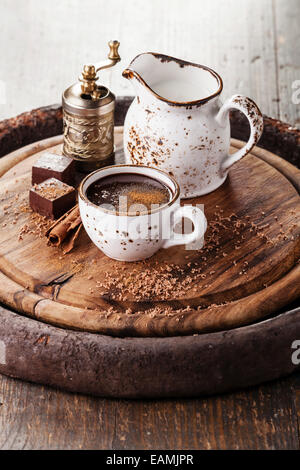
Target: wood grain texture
x=246, y=420
x=61, y=420
x=287, y=41
x=279, y=138
x=270, y=340
x=241, y=40
x=37, y=417
x=230, y=284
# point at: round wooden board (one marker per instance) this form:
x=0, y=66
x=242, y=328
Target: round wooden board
x=148, y=367
x=250, y=255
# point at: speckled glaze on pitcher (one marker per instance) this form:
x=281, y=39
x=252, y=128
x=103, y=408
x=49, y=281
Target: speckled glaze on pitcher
x=178, y=123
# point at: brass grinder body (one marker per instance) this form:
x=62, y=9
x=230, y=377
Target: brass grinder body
x=88, y=118
x=89, y=130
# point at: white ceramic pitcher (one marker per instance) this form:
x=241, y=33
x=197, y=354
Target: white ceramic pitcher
x=177, y=122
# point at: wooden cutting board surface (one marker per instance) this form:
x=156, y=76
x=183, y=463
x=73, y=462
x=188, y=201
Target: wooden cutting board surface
x=247, y=269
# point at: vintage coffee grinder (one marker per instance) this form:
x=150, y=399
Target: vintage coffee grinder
x=88, y=117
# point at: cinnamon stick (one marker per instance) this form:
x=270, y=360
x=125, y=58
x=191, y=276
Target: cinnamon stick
x=65, y=230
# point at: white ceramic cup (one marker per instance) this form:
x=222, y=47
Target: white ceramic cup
x=131, y=237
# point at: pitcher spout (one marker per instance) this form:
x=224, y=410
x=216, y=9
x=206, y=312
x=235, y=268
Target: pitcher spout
x=127, y=73
x=134, y=73
x=174, y=81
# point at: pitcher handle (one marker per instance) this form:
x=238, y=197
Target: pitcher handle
x=199, y=221
x=254, y=116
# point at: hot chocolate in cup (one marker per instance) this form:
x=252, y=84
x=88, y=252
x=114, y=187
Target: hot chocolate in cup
x=130, y=212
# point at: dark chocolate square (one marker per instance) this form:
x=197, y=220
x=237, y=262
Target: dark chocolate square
x=50, y=165
x=52, y=198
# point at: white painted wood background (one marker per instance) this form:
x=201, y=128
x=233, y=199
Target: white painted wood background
x=253, y=44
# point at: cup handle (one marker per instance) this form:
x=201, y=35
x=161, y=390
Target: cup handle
x=251, y=111
x=200, y=225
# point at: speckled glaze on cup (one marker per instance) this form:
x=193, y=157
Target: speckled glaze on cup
x=128, y=237
x=177, y=122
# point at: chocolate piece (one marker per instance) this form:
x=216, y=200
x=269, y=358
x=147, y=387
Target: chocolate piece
x=52, y=198
x=50, y=165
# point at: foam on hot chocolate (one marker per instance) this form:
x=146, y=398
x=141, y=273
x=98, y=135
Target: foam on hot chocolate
x=125, y=192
